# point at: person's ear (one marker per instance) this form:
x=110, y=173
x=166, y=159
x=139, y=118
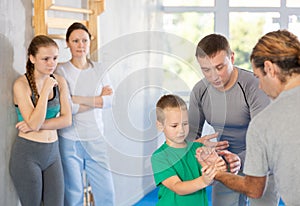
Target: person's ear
x=269, y=68
x=67, y=43
x=159, y=126
x=32, y=59
x=232, y=57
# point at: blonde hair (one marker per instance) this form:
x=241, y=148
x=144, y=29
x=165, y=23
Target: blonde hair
x=168, y=101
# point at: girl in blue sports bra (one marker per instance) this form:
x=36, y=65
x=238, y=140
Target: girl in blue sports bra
x=42, y=106
x=53, y=105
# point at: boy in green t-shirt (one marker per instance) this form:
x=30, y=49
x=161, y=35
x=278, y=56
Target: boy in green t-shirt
x=177, y=173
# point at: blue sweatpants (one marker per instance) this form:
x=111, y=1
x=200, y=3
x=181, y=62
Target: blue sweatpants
x=89, y=156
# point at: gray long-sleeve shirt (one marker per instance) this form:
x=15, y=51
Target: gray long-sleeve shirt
x=229, y=112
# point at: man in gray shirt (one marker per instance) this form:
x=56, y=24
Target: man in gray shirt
x=227, y=98
x=273, y=136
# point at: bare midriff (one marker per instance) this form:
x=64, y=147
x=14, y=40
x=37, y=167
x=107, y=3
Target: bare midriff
x=43, y=136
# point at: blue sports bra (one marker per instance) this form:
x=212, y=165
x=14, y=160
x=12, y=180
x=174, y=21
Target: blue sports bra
x=53, y=106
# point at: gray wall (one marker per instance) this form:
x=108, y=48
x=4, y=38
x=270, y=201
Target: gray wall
x=126, y=39
x=14, y=36
x=128, y=149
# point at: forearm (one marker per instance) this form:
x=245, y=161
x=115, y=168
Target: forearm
x=37, y=117
x=57, y=123
x=94, y=101
x=83, y=108
x=188, y=187
x=232, y=181
x=251, y=186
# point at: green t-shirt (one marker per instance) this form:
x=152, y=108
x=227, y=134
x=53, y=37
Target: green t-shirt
x=167, y=162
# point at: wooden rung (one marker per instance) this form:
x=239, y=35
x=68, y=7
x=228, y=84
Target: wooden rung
x=70, y=9
x=61, y=36
x=57, y=36
x=62, y=23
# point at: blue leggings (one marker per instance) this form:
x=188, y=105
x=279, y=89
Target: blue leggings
x=36, y=172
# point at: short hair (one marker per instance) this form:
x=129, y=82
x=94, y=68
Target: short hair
x=282, y=48
x=211, y=44
x=168, y=101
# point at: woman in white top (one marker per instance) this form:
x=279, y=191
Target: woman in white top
x=82, y=145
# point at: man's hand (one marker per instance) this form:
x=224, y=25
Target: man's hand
x=232, y=159
x=206, y=140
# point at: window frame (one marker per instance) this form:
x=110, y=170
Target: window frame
x=222, y=10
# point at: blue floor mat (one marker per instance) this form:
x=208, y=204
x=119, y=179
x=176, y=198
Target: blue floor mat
x=151, y=198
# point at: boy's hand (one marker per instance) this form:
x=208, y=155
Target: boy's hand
x=208, y=174
x=206, y=156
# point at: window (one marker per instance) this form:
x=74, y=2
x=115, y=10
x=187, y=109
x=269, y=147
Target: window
x=242, y=22
x=188, y=3
x=292, y=3
x=294, y=24
x=189, y=25
x=254, y=3
x=245, y=28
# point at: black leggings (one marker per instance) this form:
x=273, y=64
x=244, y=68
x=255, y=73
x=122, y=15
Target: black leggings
x=36, y=172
